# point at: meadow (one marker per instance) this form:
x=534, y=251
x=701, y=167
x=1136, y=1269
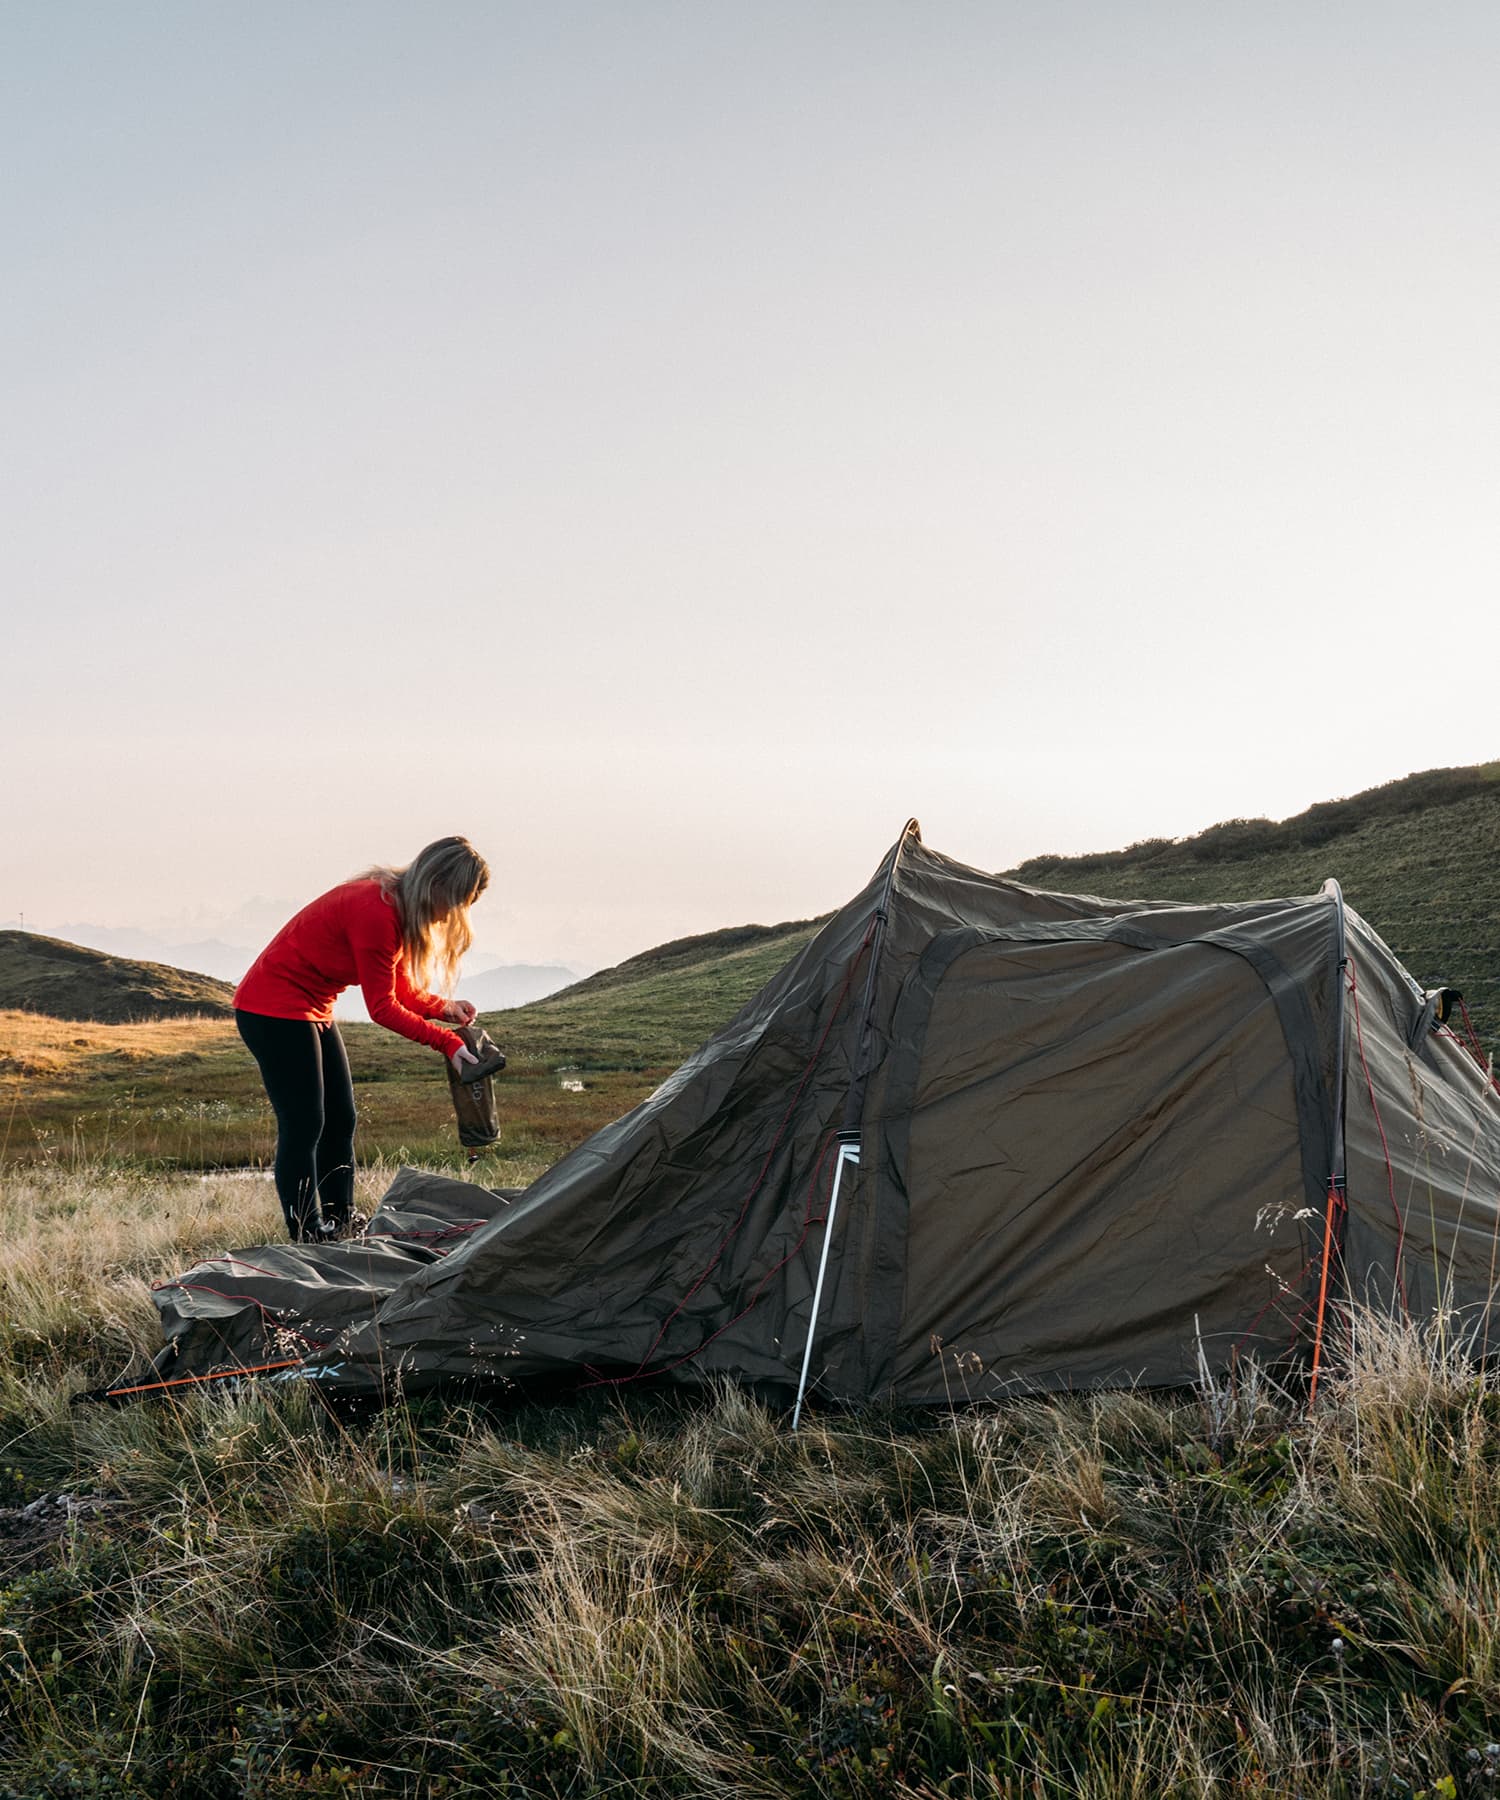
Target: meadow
x=185, y=1094
x=665, y=1592
x=669, y=1593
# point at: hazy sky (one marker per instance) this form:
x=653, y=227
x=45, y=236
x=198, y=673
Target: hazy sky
x=675, y=442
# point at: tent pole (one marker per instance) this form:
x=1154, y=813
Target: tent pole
x=848, y=1153
x=1335, y=893
x=1337, y=1174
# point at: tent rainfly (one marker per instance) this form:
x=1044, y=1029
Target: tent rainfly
x=974, y=1139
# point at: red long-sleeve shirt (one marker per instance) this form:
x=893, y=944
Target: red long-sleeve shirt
x=350, y=934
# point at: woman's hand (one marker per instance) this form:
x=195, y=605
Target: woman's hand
x=460, y=1012
x=463, y=1054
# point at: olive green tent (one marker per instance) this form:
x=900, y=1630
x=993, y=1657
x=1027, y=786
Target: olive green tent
x=974, y=1138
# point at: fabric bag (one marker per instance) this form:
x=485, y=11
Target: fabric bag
x=473, y=1092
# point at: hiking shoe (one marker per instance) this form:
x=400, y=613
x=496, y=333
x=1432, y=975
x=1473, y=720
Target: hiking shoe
x=331, y=1231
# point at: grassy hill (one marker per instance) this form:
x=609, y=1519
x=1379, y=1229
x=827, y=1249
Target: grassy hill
x=65, y=981
x=1418, y=858
x=656, y=1008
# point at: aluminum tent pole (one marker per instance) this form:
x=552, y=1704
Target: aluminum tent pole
x=848, y=1153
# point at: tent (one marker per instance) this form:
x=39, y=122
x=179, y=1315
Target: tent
x=975, y=1138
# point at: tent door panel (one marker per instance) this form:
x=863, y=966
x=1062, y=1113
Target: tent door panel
x=1104, y=1143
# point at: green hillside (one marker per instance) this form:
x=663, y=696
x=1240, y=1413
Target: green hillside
x=654, y=1009
x=65, y=981
x=1418, y=858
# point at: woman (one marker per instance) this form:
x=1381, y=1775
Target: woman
x=390, y=930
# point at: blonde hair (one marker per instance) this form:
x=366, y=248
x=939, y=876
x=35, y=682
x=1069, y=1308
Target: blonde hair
x=432, y=896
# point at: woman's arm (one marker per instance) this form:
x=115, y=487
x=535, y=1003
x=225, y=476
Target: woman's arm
x=377, y=962
x=425, y=1006
x=432, y=1006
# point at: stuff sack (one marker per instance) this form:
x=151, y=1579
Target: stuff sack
x=473, y=1092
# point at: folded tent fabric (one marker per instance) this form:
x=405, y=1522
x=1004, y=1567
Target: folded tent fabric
x=239, y=1309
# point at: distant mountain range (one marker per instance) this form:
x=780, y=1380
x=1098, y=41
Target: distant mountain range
x=514, y=984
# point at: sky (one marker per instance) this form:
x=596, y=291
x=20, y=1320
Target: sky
x=673, y=443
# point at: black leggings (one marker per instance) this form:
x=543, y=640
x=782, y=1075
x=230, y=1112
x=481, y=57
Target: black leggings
x=306, y=1073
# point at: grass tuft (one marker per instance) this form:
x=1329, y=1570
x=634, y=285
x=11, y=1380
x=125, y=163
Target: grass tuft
x=669, y=1594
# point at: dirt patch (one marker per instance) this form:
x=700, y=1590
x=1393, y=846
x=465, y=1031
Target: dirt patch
x=28, y=1533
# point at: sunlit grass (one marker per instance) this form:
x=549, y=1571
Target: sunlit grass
x=657, y=1593
x=185, y=1093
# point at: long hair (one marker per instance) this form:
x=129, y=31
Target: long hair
x=432, y=896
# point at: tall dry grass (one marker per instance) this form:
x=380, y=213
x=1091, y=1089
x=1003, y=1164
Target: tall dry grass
x=669, y=1594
